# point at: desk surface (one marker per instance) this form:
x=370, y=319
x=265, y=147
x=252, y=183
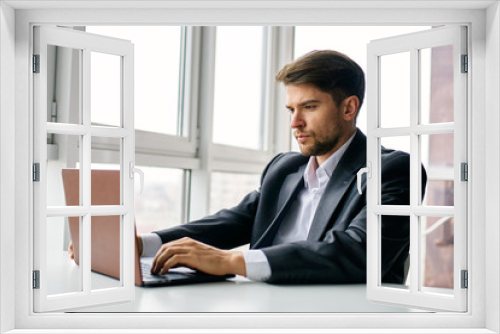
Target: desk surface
x=238, y=295
x=242, y=295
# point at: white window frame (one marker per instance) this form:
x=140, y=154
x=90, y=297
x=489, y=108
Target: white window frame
x=482, y=316
x=415, y=295
x=225, y=158
x=85, y=43
x=179, y=146
x=182, y=148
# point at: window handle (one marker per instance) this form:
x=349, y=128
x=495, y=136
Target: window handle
x=368, y=172
x=138, y=171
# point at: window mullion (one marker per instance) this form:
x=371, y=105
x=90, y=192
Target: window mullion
x=415, y=244
x=201, y=177
x=85, y=183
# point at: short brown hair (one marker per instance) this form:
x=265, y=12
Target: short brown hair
x=330, y=71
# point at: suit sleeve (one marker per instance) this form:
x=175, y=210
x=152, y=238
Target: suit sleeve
x=341, y=255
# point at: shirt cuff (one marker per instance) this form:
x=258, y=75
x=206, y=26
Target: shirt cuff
x=151, y=243
x=257, y=265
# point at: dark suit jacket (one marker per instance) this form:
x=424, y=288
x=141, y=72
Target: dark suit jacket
x=335, y=249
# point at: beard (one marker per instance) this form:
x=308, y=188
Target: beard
x=319, y=147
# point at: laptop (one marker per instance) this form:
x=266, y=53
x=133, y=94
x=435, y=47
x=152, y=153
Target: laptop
x=105, y=234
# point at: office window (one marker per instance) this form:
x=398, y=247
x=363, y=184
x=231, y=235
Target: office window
x=228, y=189
x=158, y=76
x=162, y=204
x=239, y=85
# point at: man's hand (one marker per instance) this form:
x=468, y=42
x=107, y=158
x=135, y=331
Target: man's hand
x=196, y=255
x=71, y=253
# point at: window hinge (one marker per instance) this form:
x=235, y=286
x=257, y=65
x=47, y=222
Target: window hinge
x=465, y=279
x=465, y=64
x=36, y=172
x=464, y=171
x=36, y=279
x=36, y=63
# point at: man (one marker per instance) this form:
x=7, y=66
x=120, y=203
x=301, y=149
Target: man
x=306, y=223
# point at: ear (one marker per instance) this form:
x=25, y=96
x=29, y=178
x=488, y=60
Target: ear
x=350, y=107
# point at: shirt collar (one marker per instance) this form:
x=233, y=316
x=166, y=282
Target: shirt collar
x=310, y=174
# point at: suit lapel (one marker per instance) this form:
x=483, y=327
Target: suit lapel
x=353, y=159
x=291, y=187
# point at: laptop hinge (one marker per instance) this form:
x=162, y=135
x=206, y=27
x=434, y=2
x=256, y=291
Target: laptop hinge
x=36, y=279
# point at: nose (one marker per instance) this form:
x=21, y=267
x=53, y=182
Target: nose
x=296, y=120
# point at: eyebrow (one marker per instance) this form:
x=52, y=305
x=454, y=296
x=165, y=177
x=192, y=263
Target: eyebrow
x=304, y=103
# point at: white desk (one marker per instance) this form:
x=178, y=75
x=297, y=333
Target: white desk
x=242, y=295
x=235, y=295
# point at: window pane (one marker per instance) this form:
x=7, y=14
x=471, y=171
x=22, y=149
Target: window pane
x=157, y=54
x=106, y=245
x=161, y=204
x=64, y=275
x=228, y=189
x=64, y=85
x=437, y=153
x=401, y=143
x=395, y=90
x=106, y=187
x=437, y=253
x=105, y=89
x=64, y=160
x=436, y=80
x=238, y=100
x=395, y=261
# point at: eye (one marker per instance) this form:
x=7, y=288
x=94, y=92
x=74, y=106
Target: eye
x=310, y=106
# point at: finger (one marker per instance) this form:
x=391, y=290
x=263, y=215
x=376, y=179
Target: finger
x=70, y=251
x=176, y=260
x=165, y=255
x=162, y=249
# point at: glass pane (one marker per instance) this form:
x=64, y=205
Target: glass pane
x=106, y=246
x=238, y=100
x=437, y=154
x=395, y=261
x=63, y=274
x=157, y=54
x=390, y=194
x=437, y=254
x=436, y=85
x=228, y=189
x=395, y=90
x=105, y=89
x=63, y=173
x=64, y=85
x=106, y=178
x=162, y=202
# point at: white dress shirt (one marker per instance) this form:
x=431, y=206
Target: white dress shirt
x=296, y=224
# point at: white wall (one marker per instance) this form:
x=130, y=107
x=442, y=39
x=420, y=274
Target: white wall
x=7, y=160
